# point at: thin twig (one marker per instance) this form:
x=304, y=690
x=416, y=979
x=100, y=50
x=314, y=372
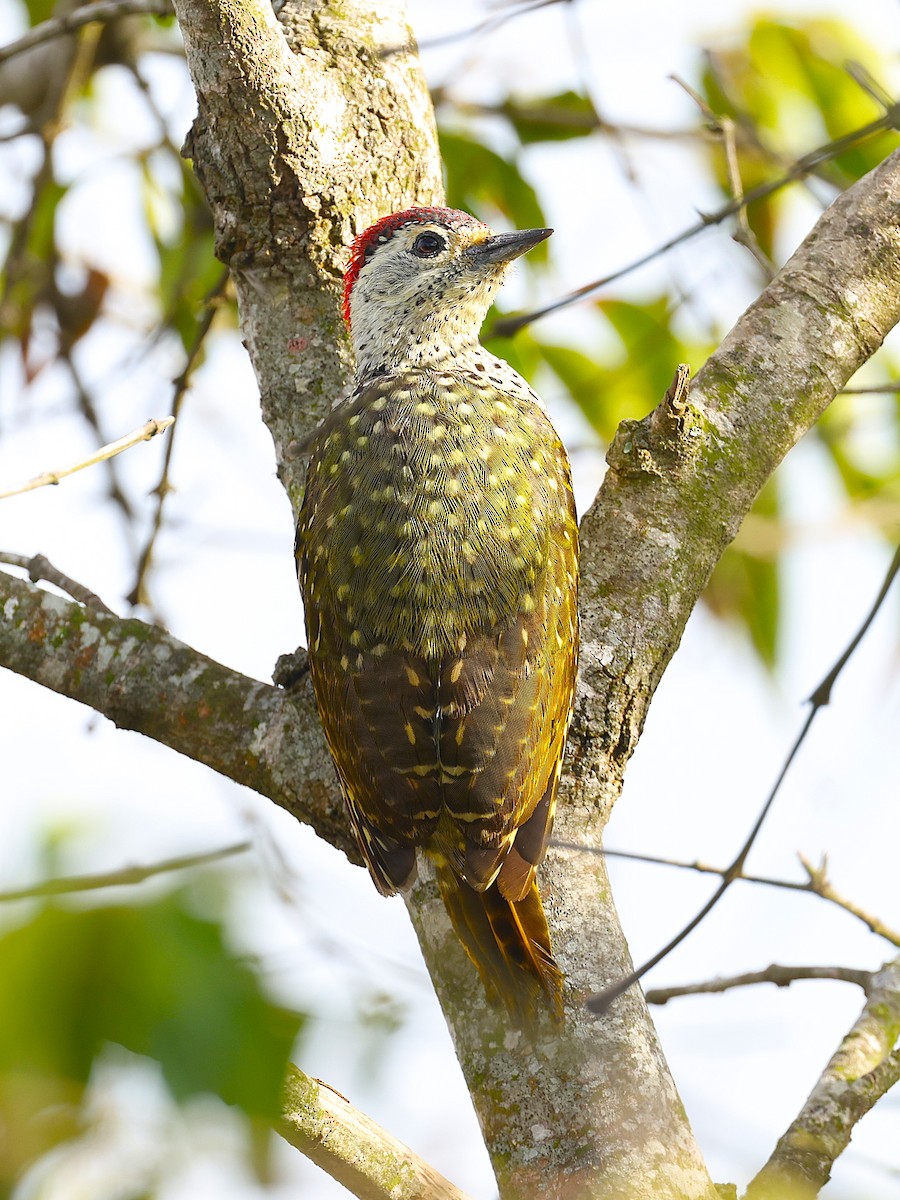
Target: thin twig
x=137, y=595
x=803, y=166
x=121, y=877
x=819, y=884
x=562, y=119
x=872, y=389
x=488, y=25
x=821, y=696
x=780, y=976
x=39, y=567
x=147, y=431
x=103, y=11
x=816, y=883
x=88, y=410
x=743, y=235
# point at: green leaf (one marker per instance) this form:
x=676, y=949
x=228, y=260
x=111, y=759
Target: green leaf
x=551, y=118
x=787, y=88
x=40, y=10
x=745, y=586
x=155, y=979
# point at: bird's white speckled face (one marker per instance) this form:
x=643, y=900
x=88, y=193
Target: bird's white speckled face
x=419, y=284
x=423, y=283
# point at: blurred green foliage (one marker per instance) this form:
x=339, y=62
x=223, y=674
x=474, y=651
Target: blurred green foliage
x=789, y=88
x=153, y=978
x=550, y=118
x=479, y=180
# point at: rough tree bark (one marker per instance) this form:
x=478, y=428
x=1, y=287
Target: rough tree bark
x=300, y=142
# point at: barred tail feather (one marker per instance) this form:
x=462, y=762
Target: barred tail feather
x=509, y=943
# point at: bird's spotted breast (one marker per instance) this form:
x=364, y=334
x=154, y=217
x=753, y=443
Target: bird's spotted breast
x=435, y=501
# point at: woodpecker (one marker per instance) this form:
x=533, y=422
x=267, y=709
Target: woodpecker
x=437, y=552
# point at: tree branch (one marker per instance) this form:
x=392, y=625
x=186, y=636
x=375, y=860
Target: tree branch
x=87, y=14
x=864, y=1067
x=40, y=567
x=144, y=679
x=352, y=1148
x=820, y=885
x=780, y=976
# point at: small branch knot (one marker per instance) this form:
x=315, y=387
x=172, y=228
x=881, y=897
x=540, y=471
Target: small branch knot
x=291, y=669
x=665, y=440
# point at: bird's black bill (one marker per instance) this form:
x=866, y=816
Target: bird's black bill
x=504, y=247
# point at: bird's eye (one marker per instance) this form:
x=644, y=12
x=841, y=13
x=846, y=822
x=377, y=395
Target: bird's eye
x=428, y=245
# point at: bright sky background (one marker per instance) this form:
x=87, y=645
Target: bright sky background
x=225, y=584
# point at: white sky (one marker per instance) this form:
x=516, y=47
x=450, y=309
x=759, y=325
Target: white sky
x=226, y=557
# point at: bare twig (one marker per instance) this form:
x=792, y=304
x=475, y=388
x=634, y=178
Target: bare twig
x=816, y=884
x=863, y=78
x=147, y=431
x=862, y=390
x=864, y=1067
x=743, y=235
x=88, y=410
x=489, y=24
x=352, y=1148
x=121, y=877
x=39, y=567
x=819, y=884
x=780, y=976
x=803, y=166
x=137, y=595
x=102, y=11
x=820, y=697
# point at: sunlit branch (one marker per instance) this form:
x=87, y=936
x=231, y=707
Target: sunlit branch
x=140, y=677
x=819, y=884
x=864, y=1067
x=352, y=1148
x=48, y=478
